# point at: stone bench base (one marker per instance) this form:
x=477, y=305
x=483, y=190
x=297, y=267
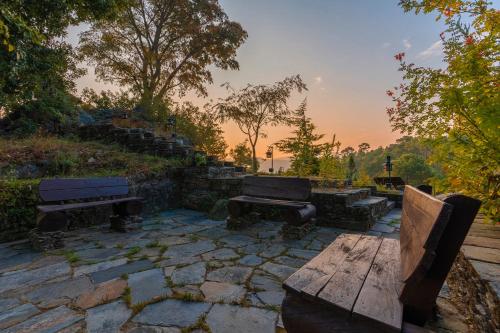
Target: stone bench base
x=119, y=223
x=241, y=222
x=289, y=231
x=45, y=241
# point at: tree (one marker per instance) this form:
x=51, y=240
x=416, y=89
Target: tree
x=37, y=69
x=159, y=47
x=351, y=167
x=331, y=164
x=202, y=127
x=106, y=99
x=347, y=151
x=256, y=106
x=363, y=147
x=412, y=168
x=457, y=106
x=303, y=146
x=242, y=154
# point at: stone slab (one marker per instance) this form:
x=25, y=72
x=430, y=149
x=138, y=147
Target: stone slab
x=98, y=254
x=273, y=251
x=116, y=272
x=17, y=315
x=220, y=254
x=147, y=285
x=303, y=254
x=231, y=274
x=51, y=321
x=33, y=277
x=237, y=240
x=8, y=303
x=384, y=228
x=105, y=292
x=224, y=318
x=87, y=269
x=280, y=271
x=172, y=312
x=190, y=249
x=222, y=292
x=481, y=254
x=250, y=260
x=107, y=318
x=271, y=297
x=289, y=261
x=67, y=289
x=267, y=283
x=192, y=274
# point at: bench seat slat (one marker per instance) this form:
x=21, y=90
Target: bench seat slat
x=82, y=193
x=79, y=205
x=343, y=288
x=319, y=270
x=378, y=299
x=290, y=188
x=270, y=202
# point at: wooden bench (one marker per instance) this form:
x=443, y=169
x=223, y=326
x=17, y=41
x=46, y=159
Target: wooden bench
x=396, y=182
x=61, y=195
x=287, y=193
x=362, y=283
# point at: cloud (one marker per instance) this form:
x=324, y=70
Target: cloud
x=435, y=49
x=406, y=44
x=318, y=79
x=386, y=45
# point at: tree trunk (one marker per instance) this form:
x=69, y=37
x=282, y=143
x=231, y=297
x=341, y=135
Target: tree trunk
x=254, y=159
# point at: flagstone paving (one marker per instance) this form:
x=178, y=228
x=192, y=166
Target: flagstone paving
x=175, y=271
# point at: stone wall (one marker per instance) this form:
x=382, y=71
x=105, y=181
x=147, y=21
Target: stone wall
x=202, y=187
x=476, y=299
x=137, y=140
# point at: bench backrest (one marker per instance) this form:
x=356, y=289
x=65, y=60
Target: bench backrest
x=432, y=232
x=61, y=189
x=395, y=181
x=290, y=188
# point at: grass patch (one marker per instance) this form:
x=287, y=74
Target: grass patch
x=69, y=157
x=201, y=324
x=72, y=257
x=168, y=282
x=153, y=245
x=133, y=251
x=124, y=276
x=127, y=297
x=187, y=297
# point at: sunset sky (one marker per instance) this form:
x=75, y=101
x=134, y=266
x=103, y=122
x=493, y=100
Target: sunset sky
x=343, y=50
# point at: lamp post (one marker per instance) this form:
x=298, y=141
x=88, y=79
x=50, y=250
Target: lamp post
x=270, y=154
x=172, y=122
x=388, y=168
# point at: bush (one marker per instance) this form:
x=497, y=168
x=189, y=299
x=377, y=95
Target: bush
x=18, y=209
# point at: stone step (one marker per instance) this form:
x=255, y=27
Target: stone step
x=390, y=205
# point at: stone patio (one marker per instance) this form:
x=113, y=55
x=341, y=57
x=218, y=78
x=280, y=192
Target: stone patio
x=176, y=272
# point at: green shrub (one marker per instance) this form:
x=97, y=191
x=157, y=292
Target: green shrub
x=18, y=200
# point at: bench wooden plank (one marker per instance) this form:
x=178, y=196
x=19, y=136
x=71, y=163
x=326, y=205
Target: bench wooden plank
x=423, y=221
x=270, y=202
x=420, y=291
x=298, y=189
x=62, y=183
x=344, y=286
x=80, y=205
x=83, y=193
x=492, y=243
x=378, y=299
x=319, y=270
x=61, y=189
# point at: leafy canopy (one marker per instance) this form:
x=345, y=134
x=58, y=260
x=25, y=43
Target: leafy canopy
x=256, y=106
x=157, y=48
x=457, y=106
